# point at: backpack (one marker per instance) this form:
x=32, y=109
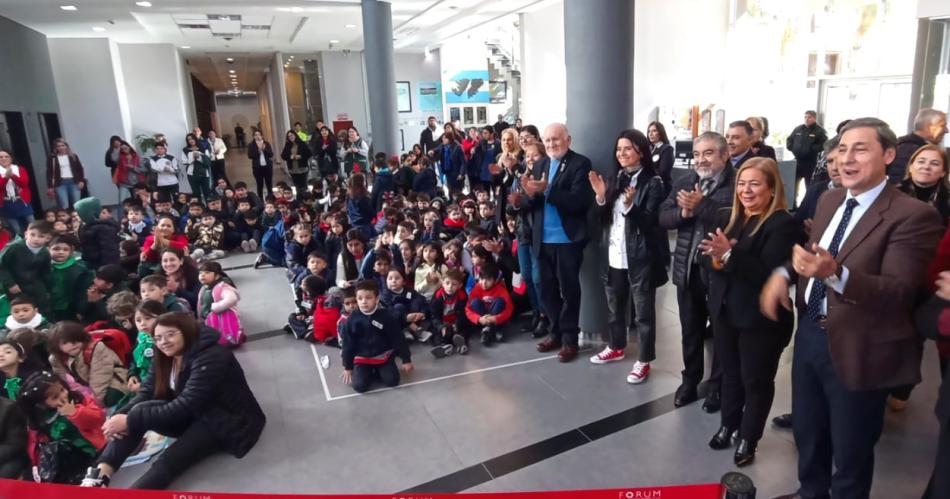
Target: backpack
x=115, y=339
x=272, y=244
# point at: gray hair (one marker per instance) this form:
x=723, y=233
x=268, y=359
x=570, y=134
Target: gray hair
x=714, y=137
x=885, y=136
x=832, y=144
x=926, y=116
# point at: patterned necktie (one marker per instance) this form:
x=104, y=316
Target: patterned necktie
x=818, y=291
x=706, y=185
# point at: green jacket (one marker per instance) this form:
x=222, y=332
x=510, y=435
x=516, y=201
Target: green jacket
x=68, y=284
x=31, y=271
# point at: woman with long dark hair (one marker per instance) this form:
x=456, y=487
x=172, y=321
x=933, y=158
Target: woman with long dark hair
x=65, y=177
x=356, y=155
x=637, y=249
x=754, y=239
x=183, y=272
x=261, y=154
x=661, y=153
x=197, y=165
x=297, y=154
x=195, y=392
x=15, y=205
x=324, y=148
x=359, y=208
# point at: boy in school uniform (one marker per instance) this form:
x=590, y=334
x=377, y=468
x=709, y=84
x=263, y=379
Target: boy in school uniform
x=489, y=304
x=371, y=342
x=448, y=315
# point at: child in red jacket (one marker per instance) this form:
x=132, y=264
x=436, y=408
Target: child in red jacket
x=316, y=316
x=489, y=304
x=448, y=315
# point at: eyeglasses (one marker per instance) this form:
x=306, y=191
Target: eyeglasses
x=162, y=338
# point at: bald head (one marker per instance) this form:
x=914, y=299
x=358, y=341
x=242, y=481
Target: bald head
x=557, y=140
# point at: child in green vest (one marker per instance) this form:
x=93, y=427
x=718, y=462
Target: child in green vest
x=69, y=274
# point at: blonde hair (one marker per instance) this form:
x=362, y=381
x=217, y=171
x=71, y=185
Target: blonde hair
x=514, y=140
x=943, y=157
x=769, y=168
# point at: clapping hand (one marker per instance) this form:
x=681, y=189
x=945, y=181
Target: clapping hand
x=716, y=245
x=534, y=187
x=817, y=263
x=628, y=195
x=689, y=200
x=943, y=285
x=598, y=184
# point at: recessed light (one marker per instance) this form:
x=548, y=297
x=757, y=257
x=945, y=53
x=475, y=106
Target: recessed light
x=334, y=41
x=186, y=46
x=98, y=29
x=232, y=71
x=350, y=26
x=230, y=59
x=144, y=4
x=68, y=7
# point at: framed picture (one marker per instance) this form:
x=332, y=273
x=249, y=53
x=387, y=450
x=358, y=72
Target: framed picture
x=469, y=116
x=481, y=114
x=497, y=91
x=455, y=114
x=403, y=97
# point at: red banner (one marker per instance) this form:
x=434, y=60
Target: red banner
x=10, y=489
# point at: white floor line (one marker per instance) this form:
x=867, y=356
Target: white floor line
x=323, y=378
x=421, y=382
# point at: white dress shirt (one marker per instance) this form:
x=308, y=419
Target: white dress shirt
x=865, y=200
x=617, y=248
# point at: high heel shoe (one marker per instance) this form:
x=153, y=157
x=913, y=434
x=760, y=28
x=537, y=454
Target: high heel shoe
x=723, y=439
x=745, y=452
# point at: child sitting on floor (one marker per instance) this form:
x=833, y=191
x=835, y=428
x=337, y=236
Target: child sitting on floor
x=68, y=274
x=146, y=314
x=430, y=271
x=217, y=304
x=408, y=306
x=23, y=313
x=155, y=287
x=372, y=341
x=94, y=362
x=448, y=316
x=489, y=304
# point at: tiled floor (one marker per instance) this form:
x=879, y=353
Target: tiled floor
x=455, y=417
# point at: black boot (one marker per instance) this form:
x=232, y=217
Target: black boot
x=542, y=329
x=532, y=324
x=722, y=439
x=745, y=452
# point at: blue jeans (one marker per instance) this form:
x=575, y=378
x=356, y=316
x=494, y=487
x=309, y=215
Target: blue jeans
x=529, y=274
x=67, y=193
x=18, y=225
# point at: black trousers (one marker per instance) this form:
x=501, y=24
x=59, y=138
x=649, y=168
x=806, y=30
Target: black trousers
x=642, y=312
x=939, y=486
x=194, y=442
x=694, y=319
x=218, y=171
x=749, y=360
x=832, y=424
x=300, y=182
x=364, y=374
x=559, y=267
x=263, y=175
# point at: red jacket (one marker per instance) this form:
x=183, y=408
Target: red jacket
x=21, y=179
x=88, y=419
x=148, y=255
x=497, y=291
x=325, y=320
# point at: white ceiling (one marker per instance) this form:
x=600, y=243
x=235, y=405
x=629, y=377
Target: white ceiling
x=250, y=31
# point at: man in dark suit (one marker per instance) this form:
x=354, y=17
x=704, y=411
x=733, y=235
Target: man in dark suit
x=691, y=209
x=429, y=138
x=739, y=138
x=805, y=142
x=805, y=213
x=559, y=197
x=857, y=280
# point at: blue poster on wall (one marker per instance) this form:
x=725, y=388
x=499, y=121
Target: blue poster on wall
x=430, y=96
x=468, y=87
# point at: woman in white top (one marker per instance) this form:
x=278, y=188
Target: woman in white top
x=15, y=195
x=218, y=148
x=64, y=175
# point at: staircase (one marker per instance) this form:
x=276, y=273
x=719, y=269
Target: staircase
x=504, y=64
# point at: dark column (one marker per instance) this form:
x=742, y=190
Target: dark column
x=380, y=74
x=598, y=54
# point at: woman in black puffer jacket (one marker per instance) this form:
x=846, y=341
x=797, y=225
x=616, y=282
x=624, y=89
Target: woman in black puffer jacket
x=196, y=392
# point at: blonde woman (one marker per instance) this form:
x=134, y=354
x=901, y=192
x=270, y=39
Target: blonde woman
x=752, y=241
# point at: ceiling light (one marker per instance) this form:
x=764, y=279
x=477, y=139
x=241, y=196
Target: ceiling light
x=186, y=46
x=68, y=7
x=334, y=41
x=350, y=26
x=296, y=9
x=98, y=29
x=144, y=4
x=232, y=71
x=230, y=60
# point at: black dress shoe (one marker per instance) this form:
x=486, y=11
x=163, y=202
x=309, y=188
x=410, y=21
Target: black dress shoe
x=722, y=439
x=784, y=421
x=541, y=330
x=745, y=452
x=712, y=402
x=685, y=394
x=532, y=324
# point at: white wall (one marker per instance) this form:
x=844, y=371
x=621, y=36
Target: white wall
x=415, y=68
x=933, y=8
x=344, y=89
x=543, y=73
x=232, y=110
x=28, y=87
x=89, y=104
x=154, y=92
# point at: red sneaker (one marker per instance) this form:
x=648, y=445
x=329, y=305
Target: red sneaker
x=639, y=373
x=607, y=355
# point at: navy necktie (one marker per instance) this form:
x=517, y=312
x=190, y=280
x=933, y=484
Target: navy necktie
x=818, y=291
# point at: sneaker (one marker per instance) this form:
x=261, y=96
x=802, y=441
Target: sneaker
x=245, y=246
x=459, y=342
x=424, y=336
x=287, y=329
x=261, y=260
x=197, y=254
x=408, y=335
x=332, y=342
x=216, y=254
x=252, y=244
x=499, y=336
x=442, y=351
x=639, y=373
x=95, y=478
x=607, y=355
x=487, y=336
